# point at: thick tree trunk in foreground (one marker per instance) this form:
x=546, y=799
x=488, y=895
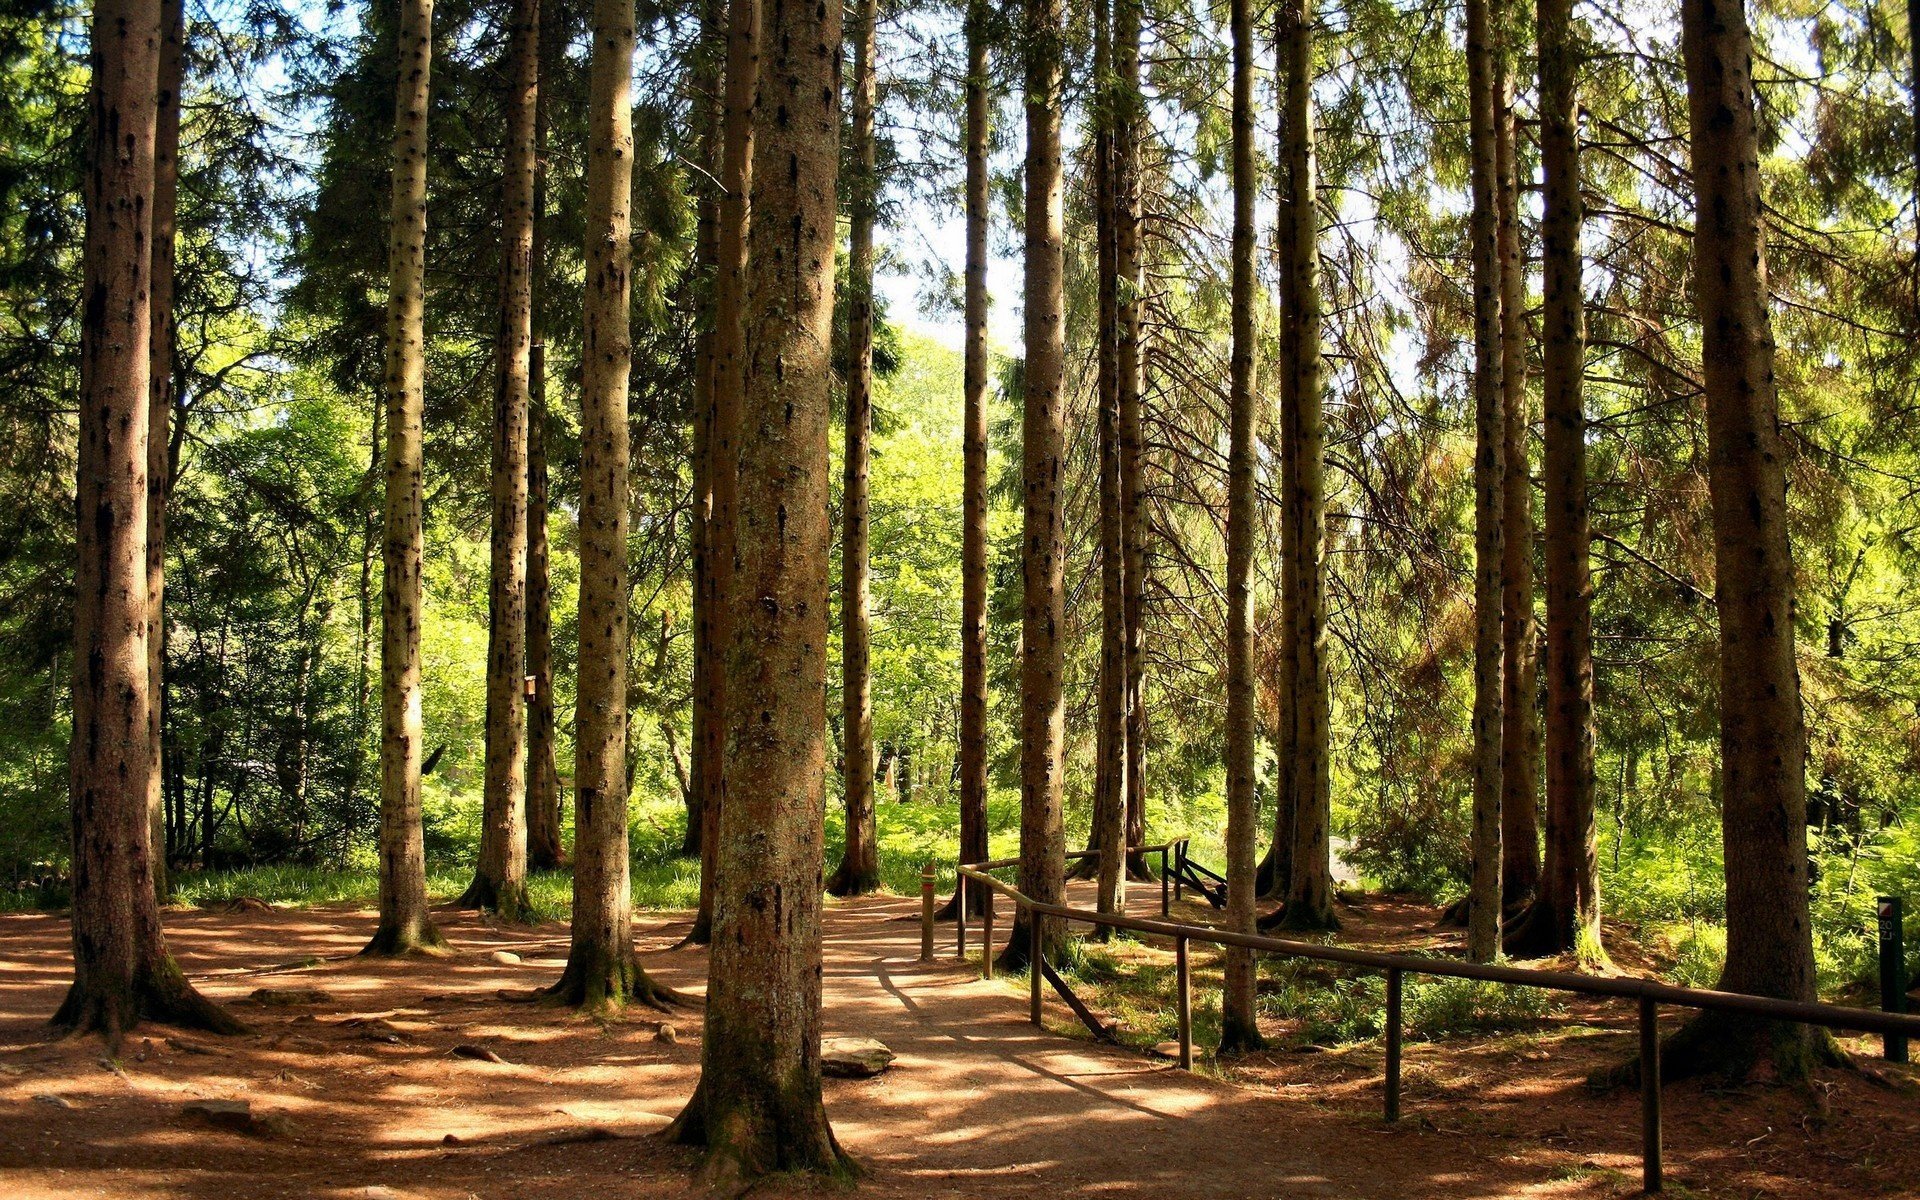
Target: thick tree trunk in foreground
x=1483, y=900
x=1239, y=1018
x=405, y=926
x=1309, y=902
x=729, y=390
x=166, y=203
x=1043, y=549
x=1762, y=728
x=757, y=1108
x=602, y=973
x=973, y=537
x=710, y=56
x=1129, y=118
x=1565, y=914
x=1109, y=830
x=1520, y=736
x=859, y=870
x=122, y=971
x=500, y=878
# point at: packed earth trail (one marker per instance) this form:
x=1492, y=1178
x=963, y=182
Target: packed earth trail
x=374, y=1079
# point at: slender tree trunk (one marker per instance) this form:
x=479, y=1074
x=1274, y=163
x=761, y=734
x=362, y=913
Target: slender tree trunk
x=729, y=391
x=1310, y=886
x=757, y=1108
x=1520, y=736
x=166, y=203
x=122, y=971
x=405, y=926
x=1129, y=118
x=602, y=972
x=973, y=538
x=1763, y=803
x=1239, y=1018
x=1110, y=768
x=707, y=82
x=546, y=843
x=500, y=880
x=1565, y=914
x=1043, y=429
x=1483, y=901
x=859, y=870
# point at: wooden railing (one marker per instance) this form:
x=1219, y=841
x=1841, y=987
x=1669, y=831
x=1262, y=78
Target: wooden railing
x=1648, y=993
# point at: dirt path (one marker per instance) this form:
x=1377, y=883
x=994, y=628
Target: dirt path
x=372, y=1096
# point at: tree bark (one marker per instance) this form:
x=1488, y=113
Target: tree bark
x=1239, y=1018
x=973, y=537
x=729, y=389
x=859, y=870
x=708, y=79
x=757, y=1108
x=122, y=970
x=1043, y=432
x=160, y=397
x=1762, y=728
x=602, y=972
x=1129, y=118
x=500, y=879
x=1483, y=900
x=1565, y=914
x=1520, y=731
x=405, y=925
x=1309, y=902
x=1109, y=831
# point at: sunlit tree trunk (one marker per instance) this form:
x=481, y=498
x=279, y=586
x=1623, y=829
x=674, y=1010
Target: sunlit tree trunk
x=405, y=926
x=757, y=1108
x=729, y=389
x=1763, y=803
x=1129, y=119
x=602, y=973
x=1309, y=903
x=166, y=203
x=500, y=878
x=859, y=870
x=1483, y=902
x=1043, y=430
x=122, y=971
x=1520, y=736
x=1239, y=1019
x=1565, y=914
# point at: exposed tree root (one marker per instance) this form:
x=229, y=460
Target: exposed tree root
x=746, y=1142
x=1238, y=1037
x=511, y=905
x=979, y=899
x=700, y=935
x=849, y=880
x=160, y=992
x=1731, y=1046
x=406, y=939
x=608, y=987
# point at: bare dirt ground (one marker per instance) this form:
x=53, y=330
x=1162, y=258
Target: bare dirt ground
x=365, y=1096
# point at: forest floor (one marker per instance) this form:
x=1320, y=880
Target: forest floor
x=359, y=1090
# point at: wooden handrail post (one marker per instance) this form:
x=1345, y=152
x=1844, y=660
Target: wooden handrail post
x=926, y=912
x=986, y=939
x=1036, y=965
x=1165, y=910
x=1394, y=986
x=1179, y=868
x=1183, y=1001
x=1651, y=1171
x=960, y=920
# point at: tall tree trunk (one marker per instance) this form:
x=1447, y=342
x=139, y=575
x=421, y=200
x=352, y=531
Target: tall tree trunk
x=1239, y=1018
x=602, y=973
x=757, y=1108
x=973, y=536
x=859, y=870
x=1520, y=736
x=1109, y=831
x=122, y=971
x=166, y=203
x=1129, y=118
x=1565, y=914
x=710, y=55
x=1310, y=885
x=546, y=843
x=729, y=392
x=405, y=926
x=1043, y=431
x=1763, y=806
x=1483, y=900
x=500, y=880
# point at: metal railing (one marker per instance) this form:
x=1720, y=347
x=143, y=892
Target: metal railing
x=1648, y=993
